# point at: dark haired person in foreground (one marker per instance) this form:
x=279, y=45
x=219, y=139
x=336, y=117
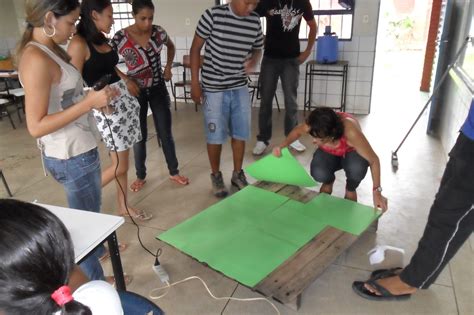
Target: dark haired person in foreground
x=37, y=266
x=38, y=274
x=340, y=145
x=450, y=224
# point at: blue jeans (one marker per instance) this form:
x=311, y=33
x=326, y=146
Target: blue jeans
x=158, y=98
x=81, y=179
x=227, y=113
x=288, y=70
x=324, y=165
x=134, y=304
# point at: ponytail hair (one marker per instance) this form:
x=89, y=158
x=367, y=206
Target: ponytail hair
x=86, y=27
x=36, y=258
x=35, y=12
x=25, y=39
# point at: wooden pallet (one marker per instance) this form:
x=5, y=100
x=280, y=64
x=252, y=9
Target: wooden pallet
x=286, y=283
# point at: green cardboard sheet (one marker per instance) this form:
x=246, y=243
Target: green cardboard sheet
x=247, y=235
x=223, y=220
x=284, y=170
x=345, y=215
x=251, y=255
x=288, y=222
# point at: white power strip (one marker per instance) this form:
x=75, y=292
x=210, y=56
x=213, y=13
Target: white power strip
x=162, y=274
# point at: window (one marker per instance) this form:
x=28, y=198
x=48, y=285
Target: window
x=468, y=60
x=122, y=15
x=331, y=13
x=465, y=65
x=326, y=12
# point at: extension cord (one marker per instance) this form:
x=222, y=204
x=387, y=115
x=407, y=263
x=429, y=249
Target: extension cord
x=169, y=285
x=161, y=272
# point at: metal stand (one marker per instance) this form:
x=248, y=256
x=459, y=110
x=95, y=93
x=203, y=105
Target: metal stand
x=313, y=68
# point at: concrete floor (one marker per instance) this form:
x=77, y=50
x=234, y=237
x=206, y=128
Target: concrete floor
x=410, y=192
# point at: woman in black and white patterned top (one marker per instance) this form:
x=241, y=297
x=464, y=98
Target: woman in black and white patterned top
x=120, y=127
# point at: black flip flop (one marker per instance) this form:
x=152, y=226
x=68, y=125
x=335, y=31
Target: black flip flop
x=385, y=273
x=361, y=290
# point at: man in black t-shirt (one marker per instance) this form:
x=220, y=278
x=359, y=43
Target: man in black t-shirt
x=282, y=59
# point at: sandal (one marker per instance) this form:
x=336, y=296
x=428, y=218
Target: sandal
x=106, y=255
x=181, y=180
x=385, y=273
x=137, y=185
x=385, y=295
x=111, y=279
x=141, y=216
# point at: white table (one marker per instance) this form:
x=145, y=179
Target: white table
x=9, y=74
x=89, y=230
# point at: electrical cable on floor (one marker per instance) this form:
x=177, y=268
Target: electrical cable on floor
x=158, y=252
x=168, y=287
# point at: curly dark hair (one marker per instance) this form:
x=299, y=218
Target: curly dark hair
x=86, y=27
x=325, y=123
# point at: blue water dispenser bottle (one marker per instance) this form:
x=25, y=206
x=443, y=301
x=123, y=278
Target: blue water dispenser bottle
x=327, y=47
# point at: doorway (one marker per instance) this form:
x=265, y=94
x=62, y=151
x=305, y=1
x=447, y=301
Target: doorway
x=401, y=41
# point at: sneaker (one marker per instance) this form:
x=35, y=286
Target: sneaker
x=218, y=187
x=298, y=146
x=239, y=180
x=259, y=148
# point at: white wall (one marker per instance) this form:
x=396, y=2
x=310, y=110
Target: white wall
x=458, y=101
x=19, y=9
x=360, y=52
x=9, y=31
x=457, y=96
x=173, y=15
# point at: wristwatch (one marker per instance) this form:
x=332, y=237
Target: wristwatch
x=378, y=188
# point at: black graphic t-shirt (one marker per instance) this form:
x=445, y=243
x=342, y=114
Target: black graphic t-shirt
x=283, y=25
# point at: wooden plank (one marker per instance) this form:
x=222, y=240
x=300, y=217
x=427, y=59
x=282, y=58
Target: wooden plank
x=299, y=271
x=273, y=187
x=294, y=192
x=285, y=271
x=297, y=193
x=315, y=268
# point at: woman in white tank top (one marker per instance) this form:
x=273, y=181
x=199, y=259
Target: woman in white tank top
x=57, y=112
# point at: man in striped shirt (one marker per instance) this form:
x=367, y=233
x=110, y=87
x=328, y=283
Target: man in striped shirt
x=234, y=42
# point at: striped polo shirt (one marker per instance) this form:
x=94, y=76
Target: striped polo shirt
x=229, y=41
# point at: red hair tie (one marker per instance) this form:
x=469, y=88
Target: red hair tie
x=62, y=295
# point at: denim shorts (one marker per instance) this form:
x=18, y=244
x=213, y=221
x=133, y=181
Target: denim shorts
x=227, y=113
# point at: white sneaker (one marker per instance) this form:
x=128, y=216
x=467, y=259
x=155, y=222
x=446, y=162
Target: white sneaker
x=298, y=146
x=260, y=147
